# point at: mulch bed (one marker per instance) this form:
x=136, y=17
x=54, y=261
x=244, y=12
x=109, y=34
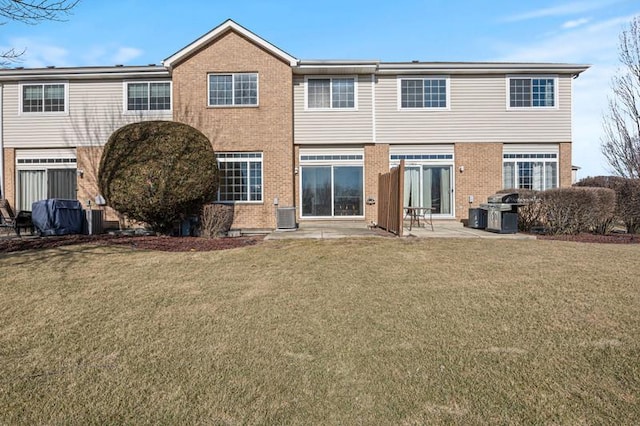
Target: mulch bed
x=160, y=243
x=593, y=238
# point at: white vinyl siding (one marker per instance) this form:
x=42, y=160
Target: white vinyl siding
x=95, y=110
x=476, y=113
x=336, y=125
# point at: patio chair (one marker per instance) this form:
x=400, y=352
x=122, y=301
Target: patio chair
x=20, y=221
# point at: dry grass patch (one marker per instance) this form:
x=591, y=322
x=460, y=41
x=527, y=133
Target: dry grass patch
x=379, y=331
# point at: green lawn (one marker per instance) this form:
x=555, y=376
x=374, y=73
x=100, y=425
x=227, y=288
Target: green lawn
x=368, y=331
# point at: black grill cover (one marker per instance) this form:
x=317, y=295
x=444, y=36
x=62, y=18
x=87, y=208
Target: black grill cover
x=57, y=217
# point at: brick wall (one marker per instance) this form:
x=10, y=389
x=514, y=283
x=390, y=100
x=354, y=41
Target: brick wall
x=564, y=165
x=267, y=128
x=482, y=175
x=9, y=179
x=376, y=162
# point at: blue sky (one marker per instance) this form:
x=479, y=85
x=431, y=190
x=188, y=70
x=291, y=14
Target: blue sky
x=135, y=32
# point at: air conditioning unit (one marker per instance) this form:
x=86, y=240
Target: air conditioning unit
x=286, y=218
x=94, y=222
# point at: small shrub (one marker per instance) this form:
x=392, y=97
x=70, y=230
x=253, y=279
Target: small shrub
x=578, y=209
x=215, y=220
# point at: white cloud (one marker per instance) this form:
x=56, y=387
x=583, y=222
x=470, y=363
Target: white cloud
x=125, y=54
x=575, y=23
x=38, y=53
x=572, y=8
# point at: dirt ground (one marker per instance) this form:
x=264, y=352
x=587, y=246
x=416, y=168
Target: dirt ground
x=160, y=243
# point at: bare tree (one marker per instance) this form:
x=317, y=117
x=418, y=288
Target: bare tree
x=31, y=12
x=621, y=141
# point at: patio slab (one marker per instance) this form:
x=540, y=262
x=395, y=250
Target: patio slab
x=355, y=229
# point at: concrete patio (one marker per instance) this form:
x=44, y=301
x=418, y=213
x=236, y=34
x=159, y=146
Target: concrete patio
x=356, y=229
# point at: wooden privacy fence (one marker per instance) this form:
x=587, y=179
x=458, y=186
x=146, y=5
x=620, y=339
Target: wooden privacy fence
x=391, y=199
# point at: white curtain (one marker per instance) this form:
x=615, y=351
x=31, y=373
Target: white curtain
x=427, y=199
x=509, y=175
x=551, y=172
x=538, y=176
x=31, y=187
x=445, y=190
x=411, y=186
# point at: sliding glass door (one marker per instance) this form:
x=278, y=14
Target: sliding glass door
x=429, y=186
x=332, y=191
x=35, y=185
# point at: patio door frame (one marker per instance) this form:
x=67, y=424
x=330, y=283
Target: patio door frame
x=430, y=156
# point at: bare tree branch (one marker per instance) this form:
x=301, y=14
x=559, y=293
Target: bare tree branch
x=621, y=141
x=31, y=12
x=34, y=11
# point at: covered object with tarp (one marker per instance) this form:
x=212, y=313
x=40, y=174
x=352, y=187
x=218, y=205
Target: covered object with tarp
x=57, y=217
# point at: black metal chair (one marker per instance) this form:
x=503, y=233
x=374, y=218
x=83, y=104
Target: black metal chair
x=20, y=221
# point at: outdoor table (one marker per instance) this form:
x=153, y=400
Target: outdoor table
x=415, y=213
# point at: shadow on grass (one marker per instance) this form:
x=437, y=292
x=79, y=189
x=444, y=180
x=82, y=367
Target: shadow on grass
x=66, y=254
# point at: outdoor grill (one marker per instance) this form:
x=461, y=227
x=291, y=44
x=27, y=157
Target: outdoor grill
x=502, y=213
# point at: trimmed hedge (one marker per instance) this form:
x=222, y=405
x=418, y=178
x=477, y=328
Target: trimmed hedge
x=578, y=209
x=627, y=198
x=158, y=172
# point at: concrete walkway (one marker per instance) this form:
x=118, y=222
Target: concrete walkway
x=358, y=229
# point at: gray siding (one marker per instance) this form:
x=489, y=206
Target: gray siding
x=334, y=126
x=478, y=113
x=94, y=112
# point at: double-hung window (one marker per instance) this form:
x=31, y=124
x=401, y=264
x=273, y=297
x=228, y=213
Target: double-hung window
x=424, y=92
x=239, y=89
x=240, y=176
x=537, y=171
x=47, y=97
x=532, y=92
x=149, y=96
x=330, y=93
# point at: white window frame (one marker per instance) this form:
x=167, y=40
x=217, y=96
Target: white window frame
x=532, y=157
x=248, y=160
x=330, y=78
x=43, y=83
x=233, y=83
x=556, y=89
x=447, y=80
x=125, y=98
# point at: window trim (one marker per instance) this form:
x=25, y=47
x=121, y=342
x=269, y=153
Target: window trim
x=331, y=78
x=444, y=77
x=556, y=89
x=247, y=160
x=532, y=157
x=21, y=85
x=125, y=98
x=233, y=81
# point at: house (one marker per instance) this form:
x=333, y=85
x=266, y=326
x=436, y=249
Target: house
x=314, y=134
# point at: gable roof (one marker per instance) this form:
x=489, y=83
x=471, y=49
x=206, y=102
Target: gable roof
x=221, y=29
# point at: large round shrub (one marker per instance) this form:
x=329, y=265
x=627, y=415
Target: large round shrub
x=158, y=172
